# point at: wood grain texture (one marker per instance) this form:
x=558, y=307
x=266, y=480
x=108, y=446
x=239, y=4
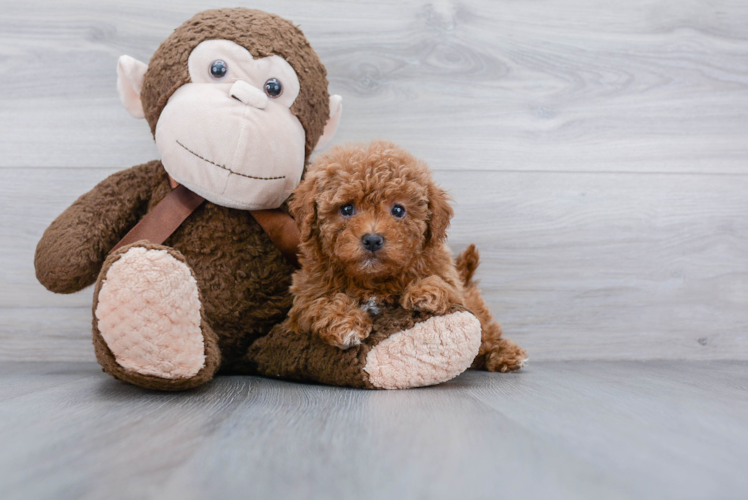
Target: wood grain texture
x=614, y=430
x=645, y=85
x=596, y=151
x=575, y=266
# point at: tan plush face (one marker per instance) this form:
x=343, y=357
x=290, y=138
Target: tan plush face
x=237, y=101
x=229, y=135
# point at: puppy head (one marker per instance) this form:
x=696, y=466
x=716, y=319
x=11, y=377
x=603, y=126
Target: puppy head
x=372, y=209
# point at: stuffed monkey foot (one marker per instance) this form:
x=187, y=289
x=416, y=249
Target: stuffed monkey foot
x=405, y=349
x=148, y=322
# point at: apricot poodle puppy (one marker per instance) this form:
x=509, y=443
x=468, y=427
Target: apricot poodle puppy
x=373, y=227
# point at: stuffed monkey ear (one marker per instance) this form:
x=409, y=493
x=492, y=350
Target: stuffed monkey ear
x=130, y=76
x=336, y=109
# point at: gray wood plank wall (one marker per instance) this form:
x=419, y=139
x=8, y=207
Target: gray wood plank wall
x=597, y=151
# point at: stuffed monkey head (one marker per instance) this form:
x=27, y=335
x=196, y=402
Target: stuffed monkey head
x=237, y=101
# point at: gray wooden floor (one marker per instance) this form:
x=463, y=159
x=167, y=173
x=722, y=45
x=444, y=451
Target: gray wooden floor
x=594, y=429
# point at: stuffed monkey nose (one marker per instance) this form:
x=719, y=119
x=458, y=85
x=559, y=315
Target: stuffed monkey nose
x=249, y=95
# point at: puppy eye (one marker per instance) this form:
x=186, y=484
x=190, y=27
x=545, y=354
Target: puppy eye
x=273, y=88
x=218, y=69
x=346, y=210
x=398, y=211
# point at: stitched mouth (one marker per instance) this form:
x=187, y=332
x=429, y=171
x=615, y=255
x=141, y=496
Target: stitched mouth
x=228, y=169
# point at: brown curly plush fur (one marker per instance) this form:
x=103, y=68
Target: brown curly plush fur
x=339, y=278
x=242, y=277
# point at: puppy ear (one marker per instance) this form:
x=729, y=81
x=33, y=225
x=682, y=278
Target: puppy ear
x=303, y=206
x=441, y=213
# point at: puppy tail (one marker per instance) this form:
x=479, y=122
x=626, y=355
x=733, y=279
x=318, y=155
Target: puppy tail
x=467, y=262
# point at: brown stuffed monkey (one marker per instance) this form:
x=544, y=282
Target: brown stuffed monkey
x=237, y=101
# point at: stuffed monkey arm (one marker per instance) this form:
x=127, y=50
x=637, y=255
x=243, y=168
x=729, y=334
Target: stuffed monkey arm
x=73, y=248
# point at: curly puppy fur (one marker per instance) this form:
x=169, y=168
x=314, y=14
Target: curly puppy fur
x=343, y=283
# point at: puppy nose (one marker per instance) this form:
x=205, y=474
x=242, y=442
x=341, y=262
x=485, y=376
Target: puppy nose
x=249, y=95
x=372, y=242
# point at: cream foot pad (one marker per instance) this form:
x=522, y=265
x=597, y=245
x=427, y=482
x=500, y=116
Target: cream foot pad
x=148, y=314
x=431, y=352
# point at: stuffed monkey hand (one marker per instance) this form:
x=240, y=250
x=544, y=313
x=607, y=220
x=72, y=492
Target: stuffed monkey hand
x=405, y=349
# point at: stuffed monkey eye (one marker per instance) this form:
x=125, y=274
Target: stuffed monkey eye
x=398, y=211
x=347, y=210
x=218, y=69
x=273, y=88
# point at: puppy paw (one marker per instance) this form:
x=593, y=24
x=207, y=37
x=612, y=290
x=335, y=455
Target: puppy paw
x=505, y=356
x=431, y=294
x=347, y=331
